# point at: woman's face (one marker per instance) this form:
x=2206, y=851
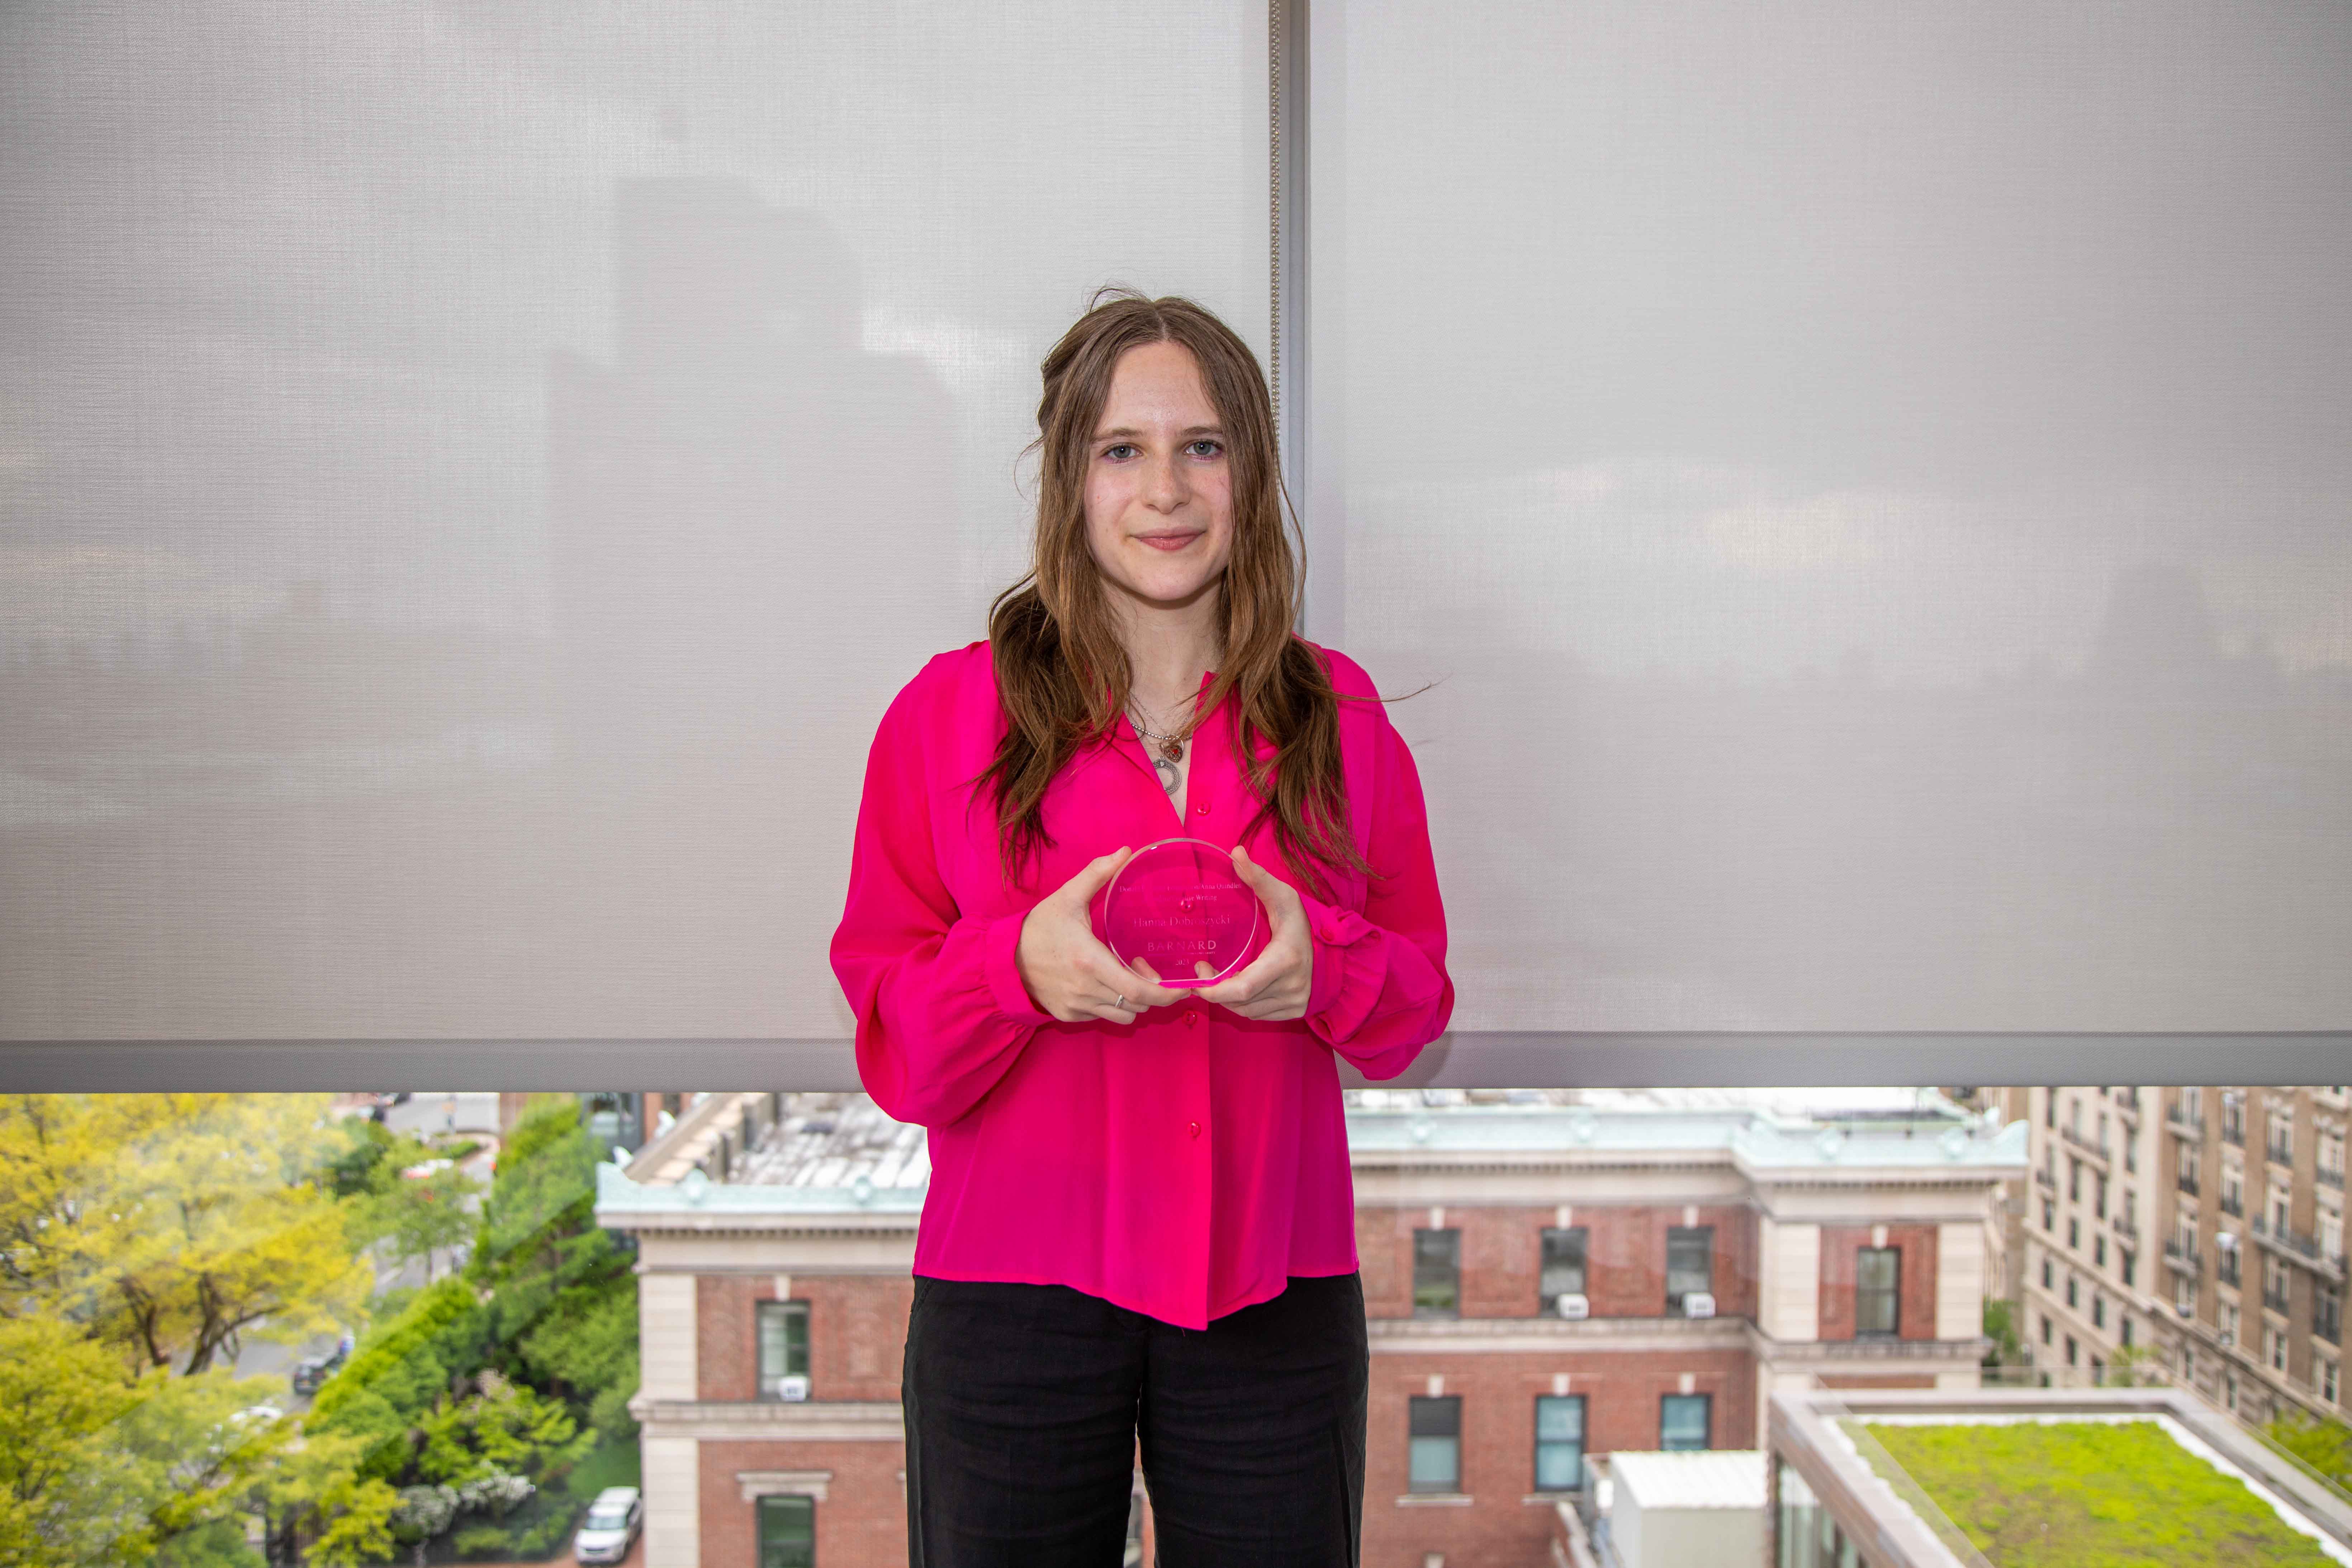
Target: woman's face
x=1160, y=513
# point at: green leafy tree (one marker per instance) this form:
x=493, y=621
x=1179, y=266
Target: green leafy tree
x=2321, y=1442
x=416, y=1217
x=60, y=1393
x=564, y=1302
x=171, y=1225
x=142, y=1237
x=2000, y=1327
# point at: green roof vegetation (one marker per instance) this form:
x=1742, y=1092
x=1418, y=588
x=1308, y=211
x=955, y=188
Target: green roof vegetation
x=2092, y=1494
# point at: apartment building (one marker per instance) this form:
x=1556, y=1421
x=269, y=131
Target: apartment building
x=2204, y=1223
x=1550, y=1277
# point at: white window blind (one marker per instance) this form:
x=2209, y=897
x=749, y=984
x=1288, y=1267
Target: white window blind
x=471, y=479
x=1872, y=485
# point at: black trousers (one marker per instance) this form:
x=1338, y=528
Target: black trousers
x=1023, y=1404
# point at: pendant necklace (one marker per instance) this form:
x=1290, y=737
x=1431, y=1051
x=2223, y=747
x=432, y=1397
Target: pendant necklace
x=1171, y=751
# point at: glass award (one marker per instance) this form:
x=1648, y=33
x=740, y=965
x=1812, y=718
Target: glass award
x=1179, y=913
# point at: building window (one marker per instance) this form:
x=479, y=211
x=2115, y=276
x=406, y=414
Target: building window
x=2185, y=1169
x=2074, y=1234
x=784, y=1345
x=2071, y=1299
x=2327, y=1384
x=2099, y=1251
x=2045, y=1329
x=2122, y=1321
x=2072, y=1357
x=1437, y=1273
x=2098, y=1309
x=2274, y=1346
x=1563, y=1265
x=2281, y=1137
x=2073, y=1180
x=1690, y=1264
x=2184, y=1299
x=2328, y=1312
x=2047, y=1282
x=2130, y=1265
x=1682, y=1421
x=1877, y=1291
x=787, y=1532
x=1560, y=1442
x=2048, y=1215
x=1434, y=1461
x=2099, y=1196
x=2050, y=1110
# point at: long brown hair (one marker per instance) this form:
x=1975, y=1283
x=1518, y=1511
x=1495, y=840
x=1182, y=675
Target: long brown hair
x=1061, y=670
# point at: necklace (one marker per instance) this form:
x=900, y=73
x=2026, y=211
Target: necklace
x=1171, y=750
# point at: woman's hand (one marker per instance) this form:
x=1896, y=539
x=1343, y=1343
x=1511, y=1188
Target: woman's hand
x=1070, y=973
x=1273, y=987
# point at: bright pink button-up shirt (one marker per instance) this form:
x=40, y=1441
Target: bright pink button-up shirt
x=1183, y=1166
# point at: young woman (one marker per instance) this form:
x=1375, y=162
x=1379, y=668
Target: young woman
x=1140, y=1218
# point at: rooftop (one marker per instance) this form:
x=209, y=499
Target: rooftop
x=2082, y=1491
x=2056, y=1478
x=838, y=1153
x=1715, y=1479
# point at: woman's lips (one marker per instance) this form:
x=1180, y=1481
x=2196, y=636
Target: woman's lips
x=1168, y=541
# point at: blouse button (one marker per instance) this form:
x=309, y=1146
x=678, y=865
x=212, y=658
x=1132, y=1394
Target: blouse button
x=1191, y=1019
x=1196, y=1129
x=1202, y=809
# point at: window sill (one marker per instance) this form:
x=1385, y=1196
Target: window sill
x=1547, y=1499
x=1436, y=1500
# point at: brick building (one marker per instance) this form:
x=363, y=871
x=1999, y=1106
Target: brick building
x=1550, y=1277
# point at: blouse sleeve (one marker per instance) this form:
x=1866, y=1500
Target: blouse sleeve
x=1379, y=990
x=941, y=1011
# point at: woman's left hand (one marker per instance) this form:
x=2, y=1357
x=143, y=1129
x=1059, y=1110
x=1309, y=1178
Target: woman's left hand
x=1273, y=986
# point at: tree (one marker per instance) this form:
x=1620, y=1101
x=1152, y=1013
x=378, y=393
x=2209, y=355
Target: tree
x=169, y=1225
x=141, y=1237
x=419, y=1215
x=2321, y=1442
x=564, y=1300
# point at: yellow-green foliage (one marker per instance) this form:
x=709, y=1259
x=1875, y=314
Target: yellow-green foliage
x=2087, y=1494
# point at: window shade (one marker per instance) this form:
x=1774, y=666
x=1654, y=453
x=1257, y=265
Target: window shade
x=472, y=476
x=1871, y=484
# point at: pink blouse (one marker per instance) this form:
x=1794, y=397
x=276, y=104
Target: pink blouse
x=1183, y=1166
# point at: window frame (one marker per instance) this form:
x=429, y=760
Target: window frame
x=788, y=1313
x=1439, y=1410
x=1705, y=1403
x=1891, y=1291
x=1675, y=1298
x=1576, y=1238
x=778, y=1502
x=1583, y=1430
x=1454, y=1265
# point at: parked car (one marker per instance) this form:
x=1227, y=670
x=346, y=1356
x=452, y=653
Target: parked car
x=311, y=1373
x=612, y=1525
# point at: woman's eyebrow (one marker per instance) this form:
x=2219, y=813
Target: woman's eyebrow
x=1189, y=430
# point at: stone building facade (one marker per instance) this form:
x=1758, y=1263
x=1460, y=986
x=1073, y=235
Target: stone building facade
x=1716, y=1245
x=2203, y=1226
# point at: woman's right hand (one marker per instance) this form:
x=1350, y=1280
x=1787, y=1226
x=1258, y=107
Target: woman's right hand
x=1070, y=973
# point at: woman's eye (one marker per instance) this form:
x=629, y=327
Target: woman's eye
x=1114, y=451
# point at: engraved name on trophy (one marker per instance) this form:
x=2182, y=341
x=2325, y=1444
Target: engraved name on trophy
x=1178, y=912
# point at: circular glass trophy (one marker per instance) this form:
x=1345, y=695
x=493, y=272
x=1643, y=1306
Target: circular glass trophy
x=1177, y=911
